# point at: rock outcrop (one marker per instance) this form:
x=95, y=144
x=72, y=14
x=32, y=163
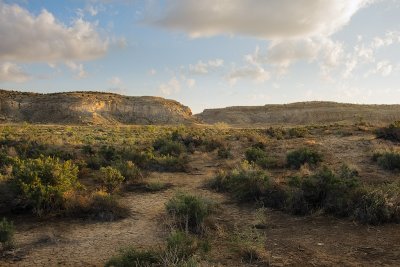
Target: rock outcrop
x=90, y=108
x=301, y=113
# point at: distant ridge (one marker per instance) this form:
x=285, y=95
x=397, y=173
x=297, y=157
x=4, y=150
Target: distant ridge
x=90, y=108
x=314, y=112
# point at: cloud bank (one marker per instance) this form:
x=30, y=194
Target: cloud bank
x=29, y=38
x=269, y=19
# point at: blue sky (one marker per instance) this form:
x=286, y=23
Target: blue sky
x=205, y=53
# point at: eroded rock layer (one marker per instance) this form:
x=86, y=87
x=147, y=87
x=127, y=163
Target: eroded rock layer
x=90, y=108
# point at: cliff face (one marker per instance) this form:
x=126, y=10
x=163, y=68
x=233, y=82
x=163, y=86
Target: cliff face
x=90, y=108
x=302, y=113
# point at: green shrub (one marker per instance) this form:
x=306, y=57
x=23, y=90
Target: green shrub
x=181, y=245
x=296, y=158
x=211, y=144
x=224, y=153
x=260, y=157
x=111, y=178
x=168, y=147
x=130, y=257
x=156, y=186
x=170, y=163
x=6, y=234
x=392, y=132
x=276, y=196
x=278, y=133
x=95, y=162
x=189, y=211
x=377, y=205
x=41, y=183
x=109, y=153
x=297, y=204
x=388, y=160
x=130, y=171
x=245, y=183
x=149, y=160
x=298, y=132
x=328, y=191
x=255, y=154
x=371, y=207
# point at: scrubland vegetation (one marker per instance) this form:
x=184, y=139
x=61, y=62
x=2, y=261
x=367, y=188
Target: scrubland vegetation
x=81, y=173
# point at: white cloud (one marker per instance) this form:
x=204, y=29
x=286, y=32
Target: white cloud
x=173, y=86
x=11, y=72
x=365, y=54
x=152, y=72
x=270, y=19
x=390, y=38
x=216, y=63
x=29, y=38
x=384, y=68
x=94, y=10
x=256, y=74
x=78, y=69
x=284, y=53
x=205, y=67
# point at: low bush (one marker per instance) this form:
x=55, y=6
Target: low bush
x=111, y=178
x=95, y=162
x=42, y=183
x=224, y=153
x=149, y=160
x=156, y=186
x=129, y=257
x=181, y=244
x=337, y=193
x=245, y=183
x=129, y=171
x=189, y=211
x=258, y=156
x=278, y=133
x=388, y=160
x=377, y=205
x=298, y=132
x=109, y=153
x=6, y=234
x=170, y=163
x=179, y=252
x=167, y=147
x=211, y=144
x=328, y=191
x=392, y=132
x=296, y=158
x=99, y=206
x=250, y=246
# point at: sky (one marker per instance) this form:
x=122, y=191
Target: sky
x=205, y=54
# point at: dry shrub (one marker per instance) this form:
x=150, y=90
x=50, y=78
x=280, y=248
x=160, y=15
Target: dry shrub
x=99, y=205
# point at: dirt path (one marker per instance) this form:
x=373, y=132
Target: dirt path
x=291, y=241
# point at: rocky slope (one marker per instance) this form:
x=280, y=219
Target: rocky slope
x=90, y=108
x=302, y=113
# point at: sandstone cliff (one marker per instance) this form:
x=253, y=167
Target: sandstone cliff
x=302, y=113
x=90, y=108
